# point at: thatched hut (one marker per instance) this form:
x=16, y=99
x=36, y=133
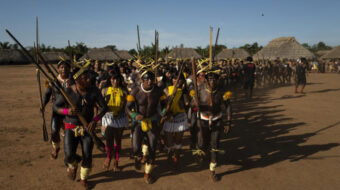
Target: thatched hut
x=184, y=53
x=321, y=53
x=12, y=56
x=123, y=54
x=237, y=53
x=333, y=54
x=54, y=57
x=100, y=54
x=284, y=48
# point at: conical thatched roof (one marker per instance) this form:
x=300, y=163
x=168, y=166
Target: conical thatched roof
x=285, y=48
x=232, y=53
x=12, y=56
x=333, y=54
x=322, y=52
x=123, y=54
x=183, y=53
x=100, y=54
x=54, y=56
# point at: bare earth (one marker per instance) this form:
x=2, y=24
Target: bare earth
x=280, y=141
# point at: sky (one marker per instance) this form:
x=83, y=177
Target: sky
x=98, y=23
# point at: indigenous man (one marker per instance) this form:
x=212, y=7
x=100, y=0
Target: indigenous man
x=249, y=77
x=300, y=74
x=65, y=80
x=211, y=100
x=84, y=96
x=142, y=106
x=177, y=121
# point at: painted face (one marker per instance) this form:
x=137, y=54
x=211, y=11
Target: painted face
x=211, y=80
x=148, y=83
x=84, y=81
x=180, y=81
x=201, y=76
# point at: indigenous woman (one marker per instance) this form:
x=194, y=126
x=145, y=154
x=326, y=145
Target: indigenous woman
x=115, y=119
x=177, y=121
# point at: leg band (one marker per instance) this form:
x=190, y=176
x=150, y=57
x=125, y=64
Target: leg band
x=117, y=150
x=72, y=165
x=148, y=168
x=108, y=152
x=145, y=150
x=55, y=145
x=212, y=166
x=84, y=173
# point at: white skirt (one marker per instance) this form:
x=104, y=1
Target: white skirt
x=178, y=124
x=115, y=121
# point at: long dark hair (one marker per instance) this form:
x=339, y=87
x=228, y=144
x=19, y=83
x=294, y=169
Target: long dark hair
x=117, y=76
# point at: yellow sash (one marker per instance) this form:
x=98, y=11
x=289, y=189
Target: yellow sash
x=115, y=102
x=175, y=108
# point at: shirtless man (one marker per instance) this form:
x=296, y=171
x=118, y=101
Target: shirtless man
x=142, y=106
x=65, y=79
x=211, y=101
x=84, y=96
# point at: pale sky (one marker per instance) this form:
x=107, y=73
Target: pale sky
x=103, y=22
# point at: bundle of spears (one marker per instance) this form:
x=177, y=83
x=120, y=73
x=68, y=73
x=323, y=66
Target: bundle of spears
x=49, y=74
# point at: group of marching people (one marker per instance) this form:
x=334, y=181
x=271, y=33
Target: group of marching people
x=158, y=100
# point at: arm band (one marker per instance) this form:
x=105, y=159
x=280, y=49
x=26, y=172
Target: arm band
x=96, y=119
x=133, y=115
x=65, y=111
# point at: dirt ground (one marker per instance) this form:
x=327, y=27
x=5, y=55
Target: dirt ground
x=281, y=140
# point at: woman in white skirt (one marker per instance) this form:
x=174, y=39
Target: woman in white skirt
x=115, y=120
x=176, y=121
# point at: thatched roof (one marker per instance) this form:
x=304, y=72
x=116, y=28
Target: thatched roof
x=12, y=56
x=54, y=56
x=333, y=54
x=322, y=52
x=123, y=54
x=285, y=48
x=183, y=53
x=232, y=53
x=100, y=54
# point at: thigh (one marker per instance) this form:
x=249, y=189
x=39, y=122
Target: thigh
x=178, y=137
x=70, y=141
x=215, y=135
x=169, y=139
x=118, y=132
x=109, y=136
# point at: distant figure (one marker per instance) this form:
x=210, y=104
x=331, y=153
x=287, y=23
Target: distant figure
x=249, y=77
x=300, y=77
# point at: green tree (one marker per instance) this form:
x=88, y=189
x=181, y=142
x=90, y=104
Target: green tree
x=252, y=49
x=5, y=45
x=112, y=47
x=133, y=52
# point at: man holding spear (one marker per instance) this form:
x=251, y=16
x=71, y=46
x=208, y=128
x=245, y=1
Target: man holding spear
x=210, y=102
x=85, y=97
x=65, y=80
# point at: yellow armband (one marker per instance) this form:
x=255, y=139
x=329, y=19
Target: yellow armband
x=163, y=97
x=192, y=93
x=130, y=98
x=227, y=95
